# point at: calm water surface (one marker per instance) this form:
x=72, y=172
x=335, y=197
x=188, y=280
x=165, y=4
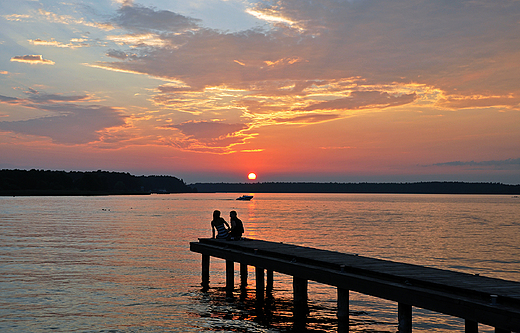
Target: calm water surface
x=122, y=263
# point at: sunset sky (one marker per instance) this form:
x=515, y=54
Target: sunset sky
x=293, y=90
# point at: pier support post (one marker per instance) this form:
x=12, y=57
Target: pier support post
x=343, y=309
x=300, y=302
x=405, y=318
x=205, y=272
x=243, y=275
x=230, y=278
x=269, y=283
x=259, y=284
x=470, y=326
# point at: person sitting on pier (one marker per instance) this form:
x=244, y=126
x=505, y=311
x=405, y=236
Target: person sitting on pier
x=237, y=227
x=221, y=225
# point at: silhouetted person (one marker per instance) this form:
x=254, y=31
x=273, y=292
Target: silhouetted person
x=221, y=225
x=237, y=228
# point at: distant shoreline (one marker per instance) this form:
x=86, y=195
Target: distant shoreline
x=390, y=188
x=102, y=183
x=89, y=183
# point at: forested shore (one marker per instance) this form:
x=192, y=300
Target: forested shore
x=412, y=188
x=46, y=182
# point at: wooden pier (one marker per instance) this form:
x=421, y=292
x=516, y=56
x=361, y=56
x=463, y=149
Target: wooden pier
x=476, y=299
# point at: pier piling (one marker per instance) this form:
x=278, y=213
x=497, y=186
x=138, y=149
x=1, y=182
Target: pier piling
x=343, y=310
x=205, y=271
x=300, y=297
x=404, y=314
x=243, y=275
x=300, y=303
x=259, y=284
x=269, y=283
x=470, y=326
x=230, y=278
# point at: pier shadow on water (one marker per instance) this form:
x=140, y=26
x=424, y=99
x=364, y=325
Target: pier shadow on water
x=243, y=313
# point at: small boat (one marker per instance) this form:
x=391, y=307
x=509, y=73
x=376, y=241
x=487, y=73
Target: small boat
x=245, y=197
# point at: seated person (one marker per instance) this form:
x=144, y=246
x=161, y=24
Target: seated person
x=221, y=225
x=237, y=228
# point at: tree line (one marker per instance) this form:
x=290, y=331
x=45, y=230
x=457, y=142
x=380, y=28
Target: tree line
x=412, y=188
x=46, y=182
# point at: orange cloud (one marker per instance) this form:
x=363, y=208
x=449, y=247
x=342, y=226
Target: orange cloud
x=284, y=61
x=74, y=43
x=336, y=148
x=362, y=100
x=308, y=118
x=273, y=16
x=16, y=17
x=138, y=40
x=463, y=102
x=208, y=136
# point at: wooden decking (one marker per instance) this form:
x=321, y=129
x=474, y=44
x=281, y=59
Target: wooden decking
x=477, y=299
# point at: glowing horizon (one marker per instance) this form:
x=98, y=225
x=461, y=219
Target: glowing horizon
x=353, y=91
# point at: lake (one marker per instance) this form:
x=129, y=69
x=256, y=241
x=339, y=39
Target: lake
x=122, y=263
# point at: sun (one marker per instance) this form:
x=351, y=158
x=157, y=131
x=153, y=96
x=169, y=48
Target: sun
x=251, y=176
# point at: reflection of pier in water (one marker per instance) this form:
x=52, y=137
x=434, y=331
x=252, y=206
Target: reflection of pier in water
x=476, y=299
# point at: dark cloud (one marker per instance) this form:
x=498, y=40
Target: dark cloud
x=463, y=47
x=207, y=58
x=32, y=59
x=74, y=125
x=203, y=130
x=507, y=164
x=37, y=97
x=10, y=100
x=67, y=123
x=363, y=99
x=140, y=19
x=117, y=54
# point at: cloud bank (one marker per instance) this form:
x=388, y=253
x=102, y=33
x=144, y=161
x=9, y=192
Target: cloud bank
x=328, y=56
x=382, y=42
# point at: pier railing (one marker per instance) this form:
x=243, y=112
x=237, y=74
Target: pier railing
x=476, y=299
